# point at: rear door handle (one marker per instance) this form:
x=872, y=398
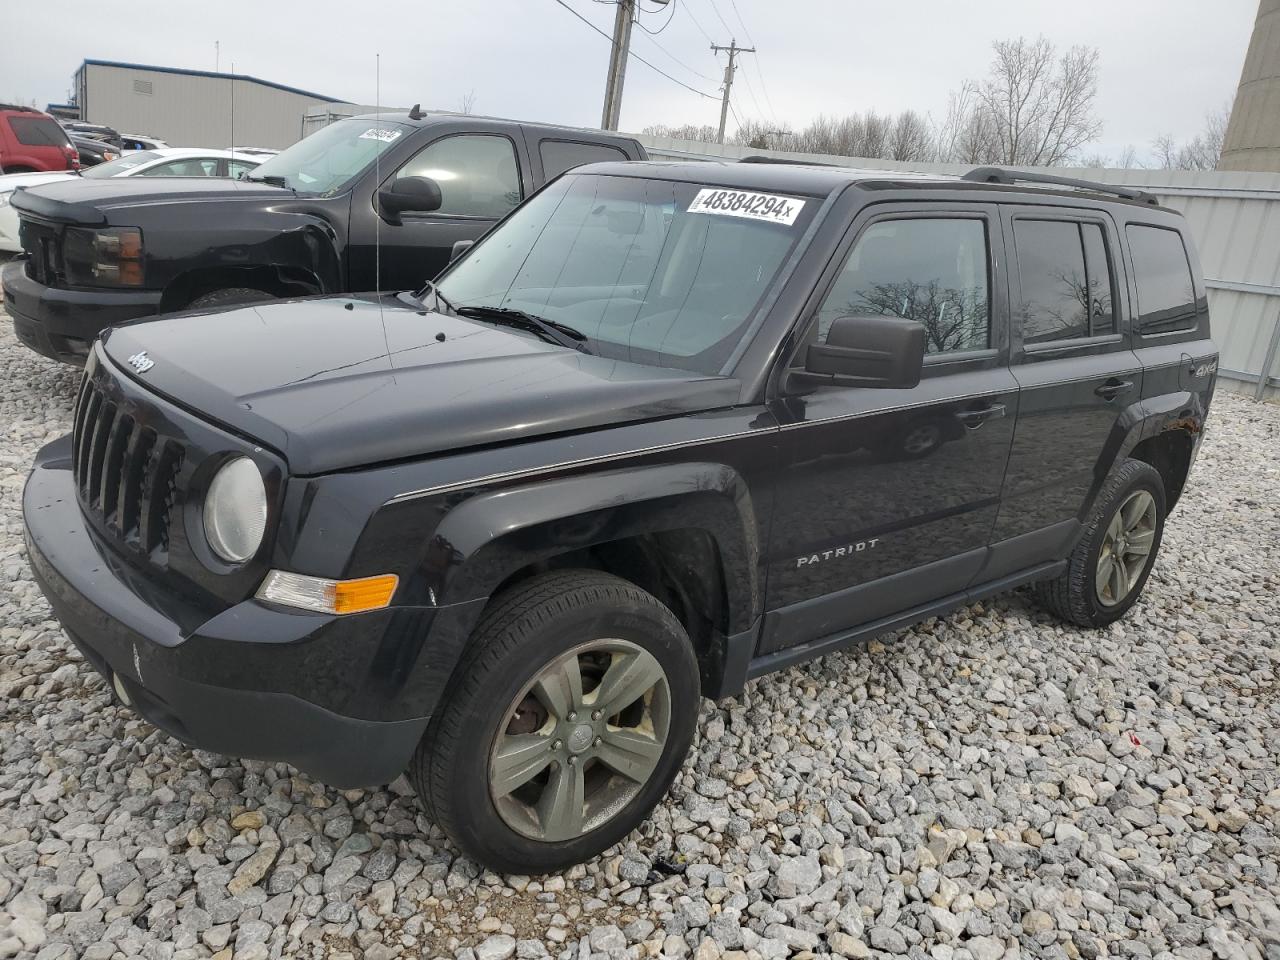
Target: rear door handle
x=1113, y=388
x=976, y=418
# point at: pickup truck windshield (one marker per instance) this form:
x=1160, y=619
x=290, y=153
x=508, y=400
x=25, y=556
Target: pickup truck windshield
x=651, y=271
x=328, y=160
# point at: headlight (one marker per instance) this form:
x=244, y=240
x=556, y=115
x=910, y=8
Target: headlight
x=110, y=257
x=235, y=510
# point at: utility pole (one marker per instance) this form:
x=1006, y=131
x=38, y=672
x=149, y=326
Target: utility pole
x=618, y=63
x=732, y=50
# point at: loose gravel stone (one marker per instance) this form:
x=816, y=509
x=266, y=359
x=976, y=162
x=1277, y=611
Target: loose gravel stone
x=985, y=786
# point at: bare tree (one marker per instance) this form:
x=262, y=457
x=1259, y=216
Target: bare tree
x=688, y=131
x=1202, y=152
x=1041, y=104
x=911, y=138
x=968, y=135
x=467, y=102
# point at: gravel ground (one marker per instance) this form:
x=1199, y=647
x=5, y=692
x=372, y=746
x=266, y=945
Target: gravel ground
x=989, y=785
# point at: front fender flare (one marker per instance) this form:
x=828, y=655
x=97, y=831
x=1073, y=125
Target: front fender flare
x=484, y=540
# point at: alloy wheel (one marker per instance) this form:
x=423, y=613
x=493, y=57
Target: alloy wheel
x=1126, y=548
x=580, y=741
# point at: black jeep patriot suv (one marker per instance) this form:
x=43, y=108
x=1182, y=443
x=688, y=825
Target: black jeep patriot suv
x=666, y=428
x=369, y=203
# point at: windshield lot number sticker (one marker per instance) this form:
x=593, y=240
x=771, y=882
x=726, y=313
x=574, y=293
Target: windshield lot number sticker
x=386, y=136
x=754, y=206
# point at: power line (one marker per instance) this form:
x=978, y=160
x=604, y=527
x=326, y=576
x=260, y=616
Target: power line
x=636, y=55
x=688, y=9
x=738, y=14
x=722, y=20
x=653, y=33
x=759, y=70
x=676, y=59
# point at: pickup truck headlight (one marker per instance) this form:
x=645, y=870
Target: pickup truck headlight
x=103, y=258
x=235, y=510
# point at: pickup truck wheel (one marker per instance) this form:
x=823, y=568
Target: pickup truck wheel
x=571, y=713
x=1110, y=565
x=229, y=296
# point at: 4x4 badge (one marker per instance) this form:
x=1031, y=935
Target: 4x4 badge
x=141, y=362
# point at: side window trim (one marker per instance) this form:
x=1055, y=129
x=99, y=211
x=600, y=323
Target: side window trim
x=998, y=292
x=1116, y=261
x=465, y=218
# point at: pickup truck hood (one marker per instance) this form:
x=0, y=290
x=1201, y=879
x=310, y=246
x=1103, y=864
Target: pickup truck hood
x=86, y=201
x=340, y=382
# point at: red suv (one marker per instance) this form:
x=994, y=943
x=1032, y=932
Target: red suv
x=31, y=141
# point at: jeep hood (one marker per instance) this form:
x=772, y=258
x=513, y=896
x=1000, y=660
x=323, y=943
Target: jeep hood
x=339, y=382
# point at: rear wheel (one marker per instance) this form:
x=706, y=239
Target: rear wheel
x=229, y=297
x=1109, y=567
x=573, y=710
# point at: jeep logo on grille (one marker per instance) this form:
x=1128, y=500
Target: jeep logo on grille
x=141, y=362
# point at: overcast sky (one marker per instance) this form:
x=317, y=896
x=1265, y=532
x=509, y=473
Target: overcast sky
x=1164, y=63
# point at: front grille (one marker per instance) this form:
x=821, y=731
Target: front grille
x=43, y=256
x=126, y=474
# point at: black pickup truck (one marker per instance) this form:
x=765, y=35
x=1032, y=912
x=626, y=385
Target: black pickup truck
x=666, y=428
x=368, y=203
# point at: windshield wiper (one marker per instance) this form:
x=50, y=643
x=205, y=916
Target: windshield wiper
x=271, y=180
x=550, y=330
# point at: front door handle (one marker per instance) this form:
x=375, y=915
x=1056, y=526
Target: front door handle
x=976, y=418
x=1113, y=388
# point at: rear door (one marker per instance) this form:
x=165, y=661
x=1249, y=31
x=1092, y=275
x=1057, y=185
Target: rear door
x=1076, y=373
x=887, y=497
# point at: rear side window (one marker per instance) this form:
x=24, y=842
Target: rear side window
x=933, y=271
x=1065, y=278
x=38, y=132
x=561, y=155
x=1166, y=288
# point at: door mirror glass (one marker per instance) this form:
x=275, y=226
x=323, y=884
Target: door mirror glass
x=869, y=351
x=409, y=195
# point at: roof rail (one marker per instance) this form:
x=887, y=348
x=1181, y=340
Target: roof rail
x=1001, y=175
x=759, y=158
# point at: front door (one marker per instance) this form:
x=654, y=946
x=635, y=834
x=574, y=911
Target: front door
x=480, y=181
x=1075, y=370
x=887, y=497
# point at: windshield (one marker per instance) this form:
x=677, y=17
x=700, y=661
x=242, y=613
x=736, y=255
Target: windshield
x=325, y=162
x=113, y=168
x=651, y=271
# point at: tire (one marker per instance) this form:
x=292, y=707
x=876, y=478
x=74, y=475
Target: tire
x=1076, y=596
x=229, y=297
x=543, y=627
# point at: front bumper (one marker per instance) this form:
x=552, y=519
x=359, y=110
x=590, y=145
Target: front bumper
x=205, y=686
x=62, y=324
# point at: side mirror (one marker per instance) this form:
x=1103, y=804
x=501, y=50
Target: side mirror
x=459, y=248
x=869, y=351
x=409, y=195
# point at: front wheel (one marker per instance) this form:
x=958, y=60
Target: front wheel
x=570, y=715
x=1109, y=567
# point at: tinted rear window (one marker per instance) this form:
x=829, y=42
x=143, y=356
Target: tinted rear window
x=38, y=132
x=1166, y=289
x=561, y=155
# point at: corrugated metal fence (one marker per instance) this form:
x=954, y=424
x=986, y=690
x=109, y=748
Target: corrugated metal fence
x=1235, y=218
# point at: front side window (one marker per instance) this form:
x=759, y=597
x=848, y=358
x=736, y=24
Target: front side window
x=38, y=132
x=1065, y=278
x=121, y=165
x=1166, y=289
x=329, y=160
x=477, y=174
x=931, y=270
x=561, y=155
x=626, y=261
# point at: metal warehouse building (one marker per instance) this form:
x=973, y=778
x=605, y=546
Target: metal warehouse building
x=191, y=108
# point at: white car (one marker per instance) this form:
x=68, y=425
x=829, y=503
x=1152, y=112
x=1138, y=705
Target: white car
x=168, y=162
